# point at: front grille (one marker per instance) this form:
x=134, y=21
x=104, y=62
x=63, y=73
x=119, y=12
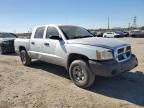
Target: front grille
x=120, y=50
x=123, y=53
x=11, y=43
x=9, y=47
x=128, y=48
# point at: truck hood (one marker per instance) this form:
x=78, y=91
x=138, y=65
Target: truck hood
x=6, y=39
x=100, y=42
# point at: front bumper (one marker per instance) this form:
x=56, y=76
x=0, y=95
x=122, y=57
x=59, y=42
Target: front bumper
x=112, y=68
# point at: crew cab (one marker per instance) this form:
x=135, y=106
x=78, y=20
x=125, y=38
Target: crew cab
x=83, y=55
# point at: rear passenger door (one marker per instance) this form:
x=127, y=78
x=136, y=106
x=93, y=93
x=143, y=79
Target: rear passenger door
x=36, y=43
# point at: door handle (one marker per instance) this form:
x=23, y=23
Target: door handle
x=46, y=44
x=32, y=43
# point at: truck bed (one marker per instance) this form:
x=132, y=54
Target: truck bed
x=21, y=43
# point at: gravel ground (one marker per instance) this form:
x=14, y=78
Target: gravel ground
x=48, y=86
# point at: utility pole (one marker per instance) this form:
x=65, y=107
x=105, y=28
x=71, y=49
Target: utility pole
x=108, y=23
x=135, y=22
x=129, y=26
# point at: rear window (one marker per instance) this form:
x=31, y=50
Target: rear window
x=109, y=33
x=39, y=32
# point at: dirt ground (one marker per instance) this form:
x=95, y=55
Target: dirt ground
x=48, y=86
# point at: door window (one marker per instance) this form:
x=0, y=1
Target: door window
x=52, y=33
x=39, y=32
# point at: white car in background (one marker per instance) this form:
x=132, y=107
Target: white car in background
x=111, y=35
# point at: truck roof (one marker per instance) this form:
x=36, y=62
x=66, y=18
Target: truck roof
x=57, y=25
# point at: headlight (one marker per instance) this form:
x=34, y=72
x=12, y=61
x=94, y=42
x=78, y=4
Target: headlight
x=104, y=55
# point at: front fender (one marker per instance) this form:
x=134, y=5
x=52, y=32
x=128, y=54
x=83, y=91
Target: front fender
x=86, y=50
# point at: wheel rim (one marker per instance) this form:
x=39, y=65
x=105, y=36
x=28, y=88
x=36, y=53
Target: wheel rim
x=78, y=74
x=23, y=58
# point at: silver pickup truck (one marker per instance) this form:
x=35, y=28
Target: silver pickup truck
x=82, y=54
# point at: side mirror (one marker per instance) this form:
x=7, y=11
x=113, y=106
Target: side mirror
x=55, y=37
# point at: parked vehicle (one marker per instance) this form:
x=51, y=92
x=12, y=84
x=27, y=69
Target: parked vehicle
x=122, y=33
x=7, y=43
x=136, y=33
x=82, y=54
x=111, y=35
x=93, y=32
x=97, y=34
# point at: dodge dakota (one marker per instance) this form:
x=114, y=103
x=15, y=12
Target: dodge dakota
x=83, y=55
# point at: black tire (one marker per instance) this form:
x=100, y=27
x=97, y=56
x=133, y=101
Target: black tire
x=133, y=36
x=81, y=74
x=106, y=37
x=26, y=60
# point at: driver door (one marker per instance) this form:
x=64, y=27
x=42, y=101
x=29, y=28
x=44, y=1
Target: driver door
x=51, y=43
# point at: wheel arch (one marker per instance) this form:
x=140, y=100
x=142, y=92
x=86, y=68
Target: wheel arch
x=75, y=56
x=21, y=48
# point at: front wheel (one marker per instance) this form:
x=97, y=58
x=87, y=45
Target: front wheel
x=81, y=74
x=26, y=60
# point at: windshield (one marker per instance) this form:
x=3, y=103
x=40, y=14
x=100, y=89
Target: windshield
x=7, y=35
x=72, y=32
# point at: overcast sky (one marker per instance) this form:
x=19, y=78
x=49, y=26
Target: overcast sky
x=22, y=15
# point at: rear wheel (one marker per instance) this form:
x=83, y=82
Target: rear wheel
x=26, y=60
x=81, y=74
